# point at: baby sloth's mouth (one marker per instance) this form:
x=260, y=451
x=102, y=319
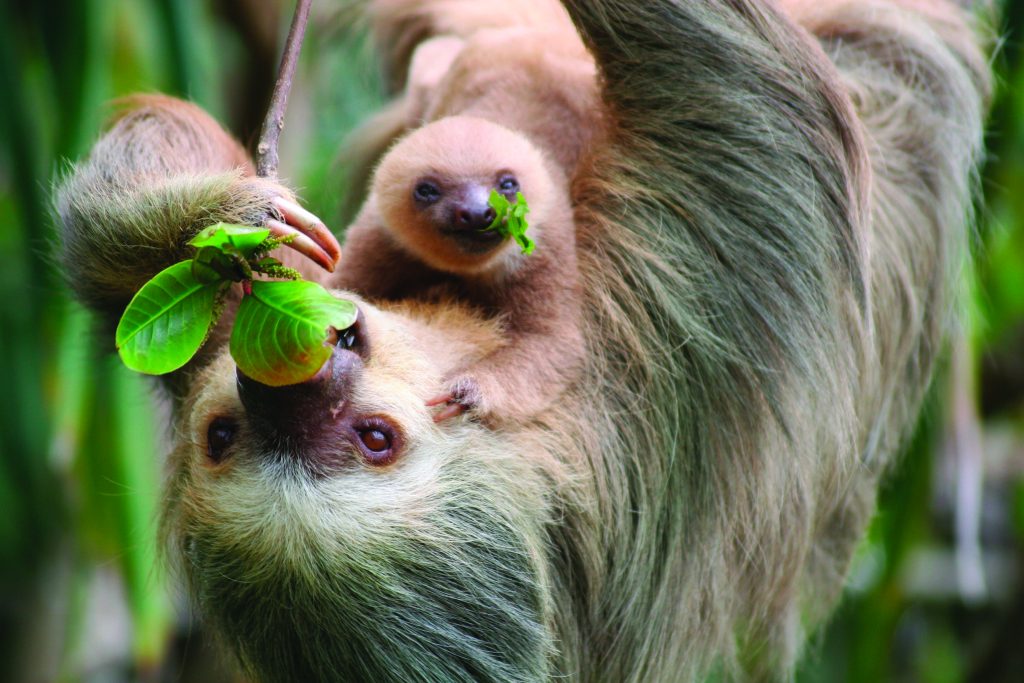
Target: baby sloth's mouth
x=475, y=241
x=469, y=220
x=308, y=421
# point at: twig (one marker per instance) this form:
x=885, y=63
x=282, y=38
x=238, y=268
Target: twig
x=266, y=150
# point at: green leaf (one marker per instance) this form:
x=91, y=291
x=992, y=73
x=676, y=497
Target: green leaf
x=167, y=321
x=243, y=239
x=281, y=329
x=500, y=205
x=510, y=219
x=212, y=265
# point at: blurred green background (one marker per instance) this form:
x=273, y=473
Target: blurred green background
x=936, y=593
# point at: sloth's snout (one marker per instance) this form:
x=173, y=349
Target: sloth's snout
x=301, y=417
x=469, y=215
x=471, y=211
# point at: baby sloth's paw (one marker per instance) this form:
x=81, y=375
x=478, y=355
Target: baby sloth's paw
x=463, y=395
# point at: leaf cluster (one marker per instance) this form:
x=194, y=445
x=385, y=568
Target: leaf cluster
x=281, y=327
x=510, y=219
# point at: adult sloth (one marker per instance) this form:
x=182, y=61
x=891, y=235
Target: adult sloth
x=769, y=224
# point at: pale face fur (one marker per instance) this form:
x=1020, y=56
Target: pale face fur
x=463, y=158
x=283, y=554
x=249, y=488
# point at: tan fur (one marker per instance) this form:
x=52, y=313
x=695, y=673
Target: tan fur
x=401, y=25
x=534, y=78
x=395, y=251
x=540, y=83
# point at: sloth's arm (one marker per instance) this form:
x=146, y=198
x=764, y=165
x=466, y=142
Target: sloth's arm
x=376, y=266
x=729, y=187
x=543, y=347
x=163, y=171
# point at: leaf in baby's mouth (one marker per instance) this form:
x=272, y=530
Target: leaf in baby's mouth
x=510, y=219
x=281, y=329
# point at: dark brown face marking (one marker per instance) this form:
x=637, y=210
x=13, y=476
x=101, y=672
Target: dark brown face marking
x=314, y=422
x=427, y=192
x=508, y=185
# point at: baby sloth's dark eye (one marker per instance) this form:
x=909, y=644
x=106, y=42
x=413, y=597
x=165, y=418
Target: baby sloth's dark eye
x=427, y=192
x=508, y=184
x=219, y=438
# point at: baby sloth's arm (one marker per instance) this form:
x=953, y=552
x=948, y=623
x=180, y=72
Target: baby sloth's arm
x=376, y=266
x=540, y=304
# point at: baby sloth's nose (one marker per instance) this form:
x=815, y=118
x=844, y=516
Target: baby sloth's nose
x=473, y=214
x=303, y=418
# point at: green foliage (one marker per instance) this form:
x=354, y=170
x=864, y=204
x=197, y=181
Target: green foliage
x=167, y=320
x=281, y=327
x=240, y=240
x=281, y=330
x=510, y=219
x=80, y=454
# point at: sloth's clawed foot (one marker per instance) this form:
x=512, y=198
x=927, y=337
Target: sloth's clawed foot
x=463, y=395
x=311, y=238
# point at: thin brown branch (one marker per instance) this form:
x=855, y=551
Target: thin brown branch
x=266, y=150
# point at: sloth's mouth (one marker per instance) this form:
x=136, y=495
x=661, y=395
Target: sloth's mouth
x=303, y=418
x=475, y=241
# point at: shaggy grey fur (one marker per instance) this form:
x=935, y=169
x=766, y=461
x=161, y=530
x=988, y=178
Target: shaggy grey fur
x=769, y=231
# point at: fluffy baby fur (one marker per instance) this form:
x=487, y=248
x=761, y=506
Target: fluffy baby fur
x=533, y=77
x=401, y=247
x=769, y=227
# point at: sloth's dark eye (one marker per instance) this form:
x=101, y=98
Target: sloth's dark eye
x=508, y=184
x=379, y=440
x=427, y=192
x=376, y=440
x=219, y=438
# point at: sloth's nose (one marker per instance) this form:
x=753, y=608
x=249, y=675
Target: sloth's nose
x=473, y=214
x=301, y=415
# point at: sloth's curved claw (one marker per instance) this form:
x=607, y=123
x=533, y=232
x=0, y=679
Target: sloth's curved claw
x=301, y=243
x=462, y=396
x=451, y=409
x=312, y=238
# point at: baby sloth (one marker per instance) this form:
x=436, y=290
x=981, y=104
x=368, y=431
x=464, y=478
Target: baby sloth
x=423, y=234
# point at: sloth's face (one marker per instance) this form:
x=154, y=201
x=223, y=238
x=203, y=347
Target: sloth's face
x=357, y=441
x=336, y=511
x=456, y=207
x=433, y=190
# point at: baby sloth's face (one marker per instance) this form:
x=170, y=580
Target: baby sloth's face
x=457, y=207
x=433, y=191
